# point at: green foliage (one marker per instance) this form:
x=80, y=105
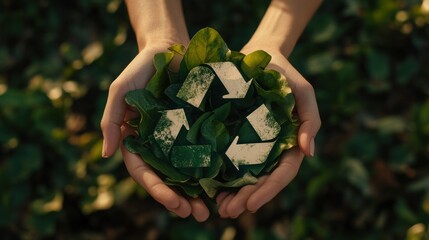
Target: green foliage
x=203, y=165
x=367, y=61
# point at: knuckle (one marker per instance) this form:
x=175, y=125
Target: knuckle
x=114, y=86
x=103, y=124
x=307, y=87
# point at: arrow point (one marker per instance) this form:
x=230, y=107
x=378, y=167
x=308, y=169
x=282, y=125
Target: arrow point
x=196, y=85
x=264, y=123
x=168, y=128
x=231, y=152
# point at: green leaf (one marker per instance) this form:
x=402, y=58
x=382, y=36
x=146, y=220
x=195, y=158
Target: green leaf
x=24, y=162
x=406, y=70
x=254, y=169
x=135, y=146
x=403, y=211
x=134, y=123
x=215, y=166
x=255, y=62
x=205, y=46
x=378, y=65
x=188, y=188
x=247, y=133
x=144, y=101
x=44, y=224
x=274, y=88
x=171, y=92
x=272, y=81
x=178, y=49
x=318, y=183
x=288, y=136
x=148, y=107
x=357, y=174
x=222, y=112
x=160, y=80
x=320, y=63
x=211, y=186
x=235, y=57
x=215, y=132
x=194, y=130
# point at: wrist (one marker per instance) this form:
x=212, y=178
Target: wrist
x=157, y=22
x=283, y=23
x=270, y=44
x=162, y=40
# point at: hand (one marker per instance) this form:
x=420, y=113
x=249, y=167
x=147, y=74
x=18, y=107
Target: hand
x=116, y=113
x=252, y=197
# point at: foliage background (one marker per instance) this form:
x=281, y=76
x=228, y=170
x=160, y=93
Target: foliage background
x=368, y=61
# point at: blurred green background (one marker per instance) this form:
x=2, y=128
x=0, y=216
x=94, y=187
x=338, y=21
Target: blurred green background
x=368, y=61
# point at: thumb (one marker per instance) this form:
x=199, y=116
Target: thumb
x=308, y=114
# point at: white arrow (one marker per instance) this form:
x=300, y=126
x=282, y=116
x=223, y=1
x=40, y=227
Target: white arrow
x=168, y=128
x=249, y=153
x=262, y=120
x=196, y=85
x=231, y=79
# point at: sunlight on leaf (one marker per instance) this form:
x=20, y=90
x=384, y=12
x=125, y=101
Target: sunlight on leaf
x=3, y=88
x=77, y=64
x=80, y=169
x=74, y=89
x=55, y=93
x=425, y=6
x=104, y=200
x=92, y=52
x=121, y=36
x=416, y=232
x=426, y=203
x=106, y=180
x=401, y=16
x=113, y=6
x=55, y=205
x=123, y=190
x=229, y=233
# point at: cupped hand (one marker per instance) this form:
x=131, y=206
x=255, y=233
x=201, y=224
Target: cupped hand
x=252, y=197
x=117, y=112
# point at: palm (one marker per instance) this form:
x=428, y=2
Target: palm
x=252, y=197
x=135, y=76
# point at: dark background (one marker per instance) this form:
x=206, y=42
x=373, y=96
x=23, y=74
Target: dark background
x=368, y=61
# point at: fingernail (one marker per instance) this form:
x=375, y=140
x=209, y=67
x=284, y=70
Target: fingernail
x=312, y=147
x=103, y=151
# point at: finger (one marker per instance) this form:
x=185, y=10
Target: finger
x=220, y=197
x=134, y=76
x=155, y=187
x=238, y=203
x=222, y=208
x=112, y=120
x=199, y=209
x=279, y=178
x=307, y=109
x=183, y=210
x=131, y=114
x=308, y=114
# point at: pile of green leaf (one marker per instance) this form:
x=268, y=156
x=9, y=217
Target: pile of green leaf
x=217, y=122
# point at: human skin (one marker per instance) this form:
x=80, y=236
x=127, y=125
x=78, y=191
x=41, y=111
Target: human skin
x=277, y=34
x=159, y=24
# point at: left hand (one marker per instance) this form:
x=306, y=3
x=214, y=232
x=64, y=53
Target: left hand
x=252, y=197
x=115, y=129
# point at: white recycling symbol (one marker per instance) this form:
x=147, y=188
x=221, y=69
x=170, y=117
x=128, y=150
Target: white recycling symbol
x=193, y=91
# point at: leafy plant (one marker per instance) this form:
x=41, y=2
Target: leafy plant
x=211, y=154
